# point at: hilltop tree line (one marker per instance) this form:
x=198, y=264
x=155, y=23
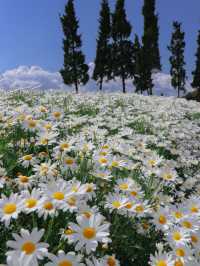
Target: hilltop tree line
x=119, y=56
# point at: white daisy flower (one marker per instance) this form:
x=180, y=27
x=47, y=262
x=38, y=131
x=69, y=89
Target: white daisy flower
x=116, y=201
x=89, y=232
x=177, y=236
x=161, y=258
x=62, y=259
x=27, y=247
x=24, y=182
x=28, y=160
x=57, y=191
x=46, y=208
x=68, y=163
x=10, y=208
x=161, y=219
x=32, y=200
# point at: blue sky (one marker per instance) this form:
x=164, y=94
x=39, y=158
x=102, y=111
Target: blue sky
x=31, y=31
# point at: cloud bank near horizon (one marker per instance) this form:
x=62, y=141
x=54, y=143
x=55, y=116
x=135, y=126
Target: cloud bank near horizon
x=35, y=77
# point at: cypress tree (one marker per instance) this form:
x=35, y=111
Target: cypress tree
x=75, y=71
x=142, y=74
x=103, y=54
x=196, y=73
x=137, y=60
x=122, y=47
x=151, y=35
x=177, y=62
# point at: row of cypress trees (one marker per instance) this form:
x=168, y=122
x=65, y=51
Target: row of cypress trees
x=118, y=56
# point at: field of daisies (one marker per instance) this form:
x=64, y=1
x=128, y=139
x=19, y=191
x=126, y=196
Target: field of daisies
x=99, y=180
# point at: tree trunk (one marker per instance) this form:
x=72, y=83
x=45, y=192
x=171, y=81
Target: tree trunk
x=150, y=91
x=178, y=92
x=101, y=84
x=76, y=87
x=123, y=84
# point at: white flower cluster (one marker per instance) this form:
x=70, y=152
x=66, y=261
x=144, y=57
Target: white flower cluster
x=77, y=169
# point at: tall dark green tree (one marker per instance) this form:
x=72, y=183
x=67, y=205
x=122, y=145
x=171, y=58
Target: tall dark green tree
x=75, y=71
x=103, y=54
x=122, y=48
x=151, y=35
x=177, y=47
x=141, y=71
x=137, y=61
x=196, y=73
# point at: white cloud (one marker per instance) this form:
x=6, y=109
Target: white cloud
x=35, y=77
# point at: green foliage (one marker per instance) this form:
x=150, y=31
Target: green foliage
x=151, y=35
x=193, y=116
x=75, y=70
x=141, y=126
x=103, y=54
x=196, y=72
x=177, y=62
x=122, y=47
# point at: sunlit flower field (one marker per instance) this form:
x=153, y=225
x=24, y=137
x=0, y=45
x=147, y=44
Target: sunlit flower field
x=99, y=180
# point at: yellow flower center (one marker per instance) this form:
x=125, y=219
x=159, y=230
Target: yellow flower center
x=129, y=205
x=123, y=186
x=69, y=161
x=87, y=214
x=162, y=219
x=23, y=179
x=194, y=209
x=58, y=195
x=28, y=248
x=71, y=201
x=65, y=263
x=43, y=109
x=111, y=261
x=105, y=147
x=103, y=160
x=32, y=123
x=178, y=215
x=115, y=164
x=74, y=189
x=194, y=239
x=48, y=126
x=145, y=226
x=48, y=206
x=64, y=146
x=116, y=204
x=103, y=153
x=178, y=263
x=134, y=193
x=89, y=232
x=44, y=141
x=180, y=252
x=161, y=263
x=69, y=231
x=30, y=203
x=168, y=176
x=27, y=157
x=187, y=224
x=9, y=208
x=177, y=236
x=139, y=209
x=57, y=114
x=152, y=162
x=89, y=188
